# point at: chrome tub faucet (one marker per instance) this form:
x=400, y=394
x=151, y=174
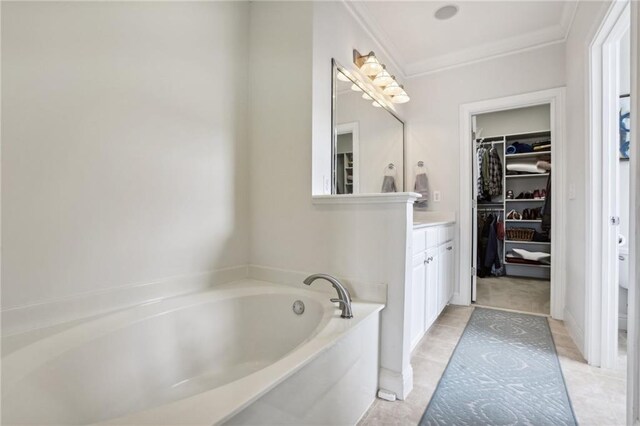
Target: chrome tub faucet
x=344, y=298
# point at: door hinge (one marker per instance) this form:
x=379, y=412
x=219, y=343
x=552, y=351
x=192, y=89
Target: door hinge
x=473, y=271
x=615, y=220
x=474, y=203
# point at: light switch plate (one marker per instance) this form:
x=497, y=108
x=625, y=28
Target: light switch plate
x=436, y=196
x=572, y=191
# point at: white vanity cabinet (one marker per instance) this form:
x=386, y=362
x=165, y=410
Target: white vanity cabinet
x=433, y=276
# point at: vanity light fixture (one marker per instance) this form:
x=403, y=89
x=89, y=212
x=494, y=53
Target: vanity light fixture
x=400, y=98
x=383, y=78
x=393, y=89
x=382, y=81
x=368, y=63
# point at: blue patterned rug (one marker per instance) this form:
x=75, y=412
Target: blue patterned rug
x=504, y=371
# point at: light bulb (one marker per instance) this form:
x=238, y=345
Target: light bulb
x=400, y=98
x=383, y=79
x=366, y=96
x=371, y=66
x=392, y=89
x=376, y=104
x=355, y=88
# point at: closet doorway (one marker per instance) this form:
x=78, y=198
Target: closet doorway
x=512, y=177
x=520, y=251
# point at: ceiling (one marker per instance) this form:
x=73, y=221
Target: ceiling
x=418, y=43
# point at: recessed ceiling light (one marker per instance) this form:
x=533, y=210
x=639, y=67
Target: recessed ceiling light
x=446, y=12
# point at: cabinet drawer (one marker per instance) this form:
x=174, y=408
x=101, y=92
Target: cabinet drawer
x=433, y=236
x=419, y=241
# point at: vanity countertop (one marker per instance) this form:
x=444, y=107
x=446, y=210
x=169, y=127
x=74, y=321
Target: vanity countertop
x=429, y=223
x=425, y=219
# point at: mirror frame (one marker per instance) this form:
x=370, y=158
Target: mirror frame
x=335, y=67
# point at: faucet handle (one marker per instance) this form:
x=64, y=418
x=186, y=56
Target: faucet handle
x=339, y=301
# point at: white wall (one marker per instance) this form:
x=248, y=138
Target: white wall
x=335, y=34
x=521, y=120
x=433, y=113
x=587, y=19
x=124, y=157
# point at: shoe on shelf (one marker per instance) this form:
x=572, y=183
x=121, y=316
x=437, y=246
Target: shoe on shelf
x=543, y=194
x=536, y=195
x=509, y=195
x=528, y=195
x=526, y=215
x=520, y=196
x=514, y=215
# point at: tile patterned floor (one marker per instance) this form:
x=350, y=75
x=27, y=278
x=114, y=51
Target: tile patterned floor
x=520, y=294
x=597, y=395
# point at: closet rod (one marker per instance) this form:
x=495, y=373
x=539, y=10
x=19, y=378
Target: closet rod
x=489, y=142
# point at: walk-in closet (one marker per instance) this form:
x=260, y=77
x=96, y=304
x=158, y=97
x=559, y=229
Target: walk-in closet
x=512, y=209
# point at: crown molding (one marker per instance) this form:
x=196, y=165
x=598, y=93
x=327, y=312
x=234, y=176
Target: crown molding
x=525, y=42
x=372, y=28
x=509, y=46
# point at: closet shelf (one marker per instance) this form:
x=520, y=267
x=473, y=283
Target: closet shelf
x=527, y=242
x=528, y=154
x=525, y=221
x=532, y=175
x=527, y=264
x=525, y=200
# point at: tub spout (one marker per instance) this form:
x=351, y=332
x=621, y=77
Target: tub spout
x=344, y=298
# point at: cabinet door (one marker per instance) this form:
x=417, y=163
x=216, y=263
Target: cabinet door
x=431, y=282
x=443, y=278
x=450, y=254
x=417, y=299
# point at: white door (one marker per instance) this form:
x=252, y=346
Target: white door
x=417, y=299
x=431, y=281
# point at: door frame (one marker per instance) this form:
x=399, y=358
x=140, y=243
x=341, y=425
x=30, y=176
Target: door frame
x=352, y=127
x=633, y=367
x=555, y=98
x=601, y=291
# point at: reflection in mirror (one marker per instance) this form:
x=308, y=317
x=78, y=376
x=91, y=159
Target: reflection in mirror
x=368, y=141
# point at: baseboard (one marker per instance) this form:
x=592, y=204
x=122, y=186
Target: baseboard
x=399, y=383
x=21, y=319
x=370, y=292
x=576, y=333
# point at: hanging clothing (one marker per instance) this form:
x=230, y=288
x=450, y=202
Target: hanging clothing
x=546, y=209
x=480, y=182
x=491, y=256
x=489, y=169
x=485, y=171
x=495, y=172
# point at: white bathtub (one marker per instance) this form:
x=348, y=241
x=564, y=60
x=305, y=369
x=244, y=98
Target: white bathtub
x=238, y=354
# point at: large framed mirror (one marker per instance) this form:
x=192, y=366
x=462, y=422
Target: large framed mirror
x=368, y=150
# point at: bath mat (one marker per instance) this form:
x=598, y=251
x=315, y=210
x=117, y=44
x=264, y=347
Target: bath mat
x=504, y=371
